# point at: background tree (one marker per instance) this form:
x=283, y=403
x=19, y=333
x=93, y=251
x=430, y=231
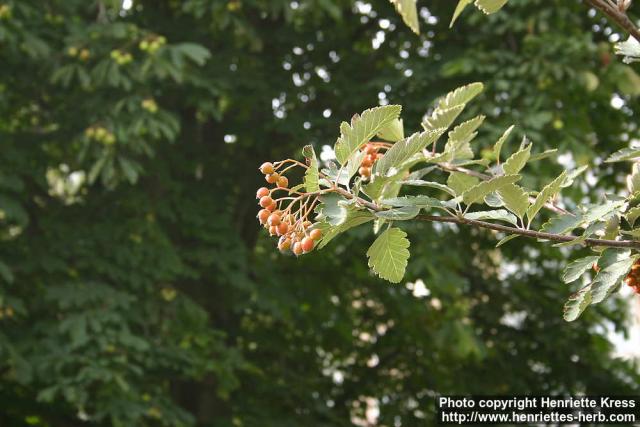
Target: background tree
x=136, y=287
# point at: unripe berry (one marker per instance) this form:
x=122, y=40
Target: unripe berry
x=316, y=234
x=365, y=172
x=306, y=224
x=266, y=201
x=263, y=215
x=274, y=219
x=262, y=191
x=283, y=227
x=271, y=178
x=307, y=244
x=297, y=248
x=267, y=168
x=283, y=182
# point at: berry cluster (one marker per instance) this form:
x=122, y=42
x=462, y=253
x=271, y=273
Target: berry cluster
x=372, y=155
x=152, y=44
x=633, y=278
x=289, y=222
x=150, y=105
x=82, y=54
x=120, y=57
x=100, y=134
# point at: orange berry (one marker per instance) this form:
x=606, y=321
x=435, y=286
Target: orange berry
x=267, y=168
x=272, y=207
x=365, y=172
x=370, y=149
x=283, y=227
x=367, y=162
x=307, y=244
x=272, y=230
x=283, y=182
x=297, y=248
x=284, y=244
x=316, y=234
x=271, y=178
x=263, y=215
x=262, y=191
x=266, y=201
x=274, y=219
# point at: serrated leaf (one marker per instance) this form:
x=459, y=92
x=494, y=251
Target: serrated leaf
x=598, y=212
x=408, y=11
x=462, y=4
x=517, y=161
x=388, y=255
x=418, y=201
x=403, y=150
x=549, y=191
x=572, y=175
x=393, y=132
x=399, y=214
x=460, y=182
x=506, y=239
x=442, y=117
x=490, y=6
x=362, y=128
x=515, y=199
x=498, y=147
x=354, y=163
x=608, y=278
x=461, y=95
x=353, y=218
x=493, y=200
x=623, y=155
x=587, y=233
x=332, y=209
x=576, y=304
x=463, y=131
x=543, y=155
x=479, y=191
x=311, y=175
x=562, y=224
x=632, y=215
x=436, y=185
x=576, y=268
x=496, y=215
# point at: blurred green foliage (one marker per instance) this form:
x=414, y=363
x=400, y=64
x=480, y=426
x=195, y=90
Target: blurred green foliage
x=137, y=289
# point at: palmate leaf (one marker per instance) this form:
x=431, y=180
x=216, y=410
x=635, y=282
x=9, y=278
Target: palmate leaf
x=576, y=268
x=479, y=191
x=362, y=128
x=408, y=11
x=515, y=199
x=311, y=176
x=388, y=255
x=403, y=150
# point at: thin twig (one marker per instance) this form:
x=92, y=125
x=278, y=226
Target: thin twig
x=620, y=17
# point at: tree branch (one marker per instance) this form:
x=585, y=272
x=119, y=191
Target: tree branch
x=618, y=15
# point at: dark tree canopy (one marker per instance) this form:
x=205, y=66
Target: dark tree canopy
x=135, y=285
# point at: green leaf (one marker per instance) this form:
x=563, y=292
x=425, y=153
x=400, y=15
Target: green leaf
x=632, y=215
x=587, y=233
x=543, y=155
x=506, y=239
x=624, y=154
x=403, y=150
x=496, y=215
x=311, y=176
x=515, y=199
x=562, y=224
x=461, y=95
x=549, y=191
x=399, y=214
x=463, y=131
x=332, y=209
x=498, y=147
x=419, y=201
x=460, y=182
x=462, y=4
x=197, y=53
x=577, y=268
x=362, y=128
x=479, y=191
x=517, y=161
x=608, y=278
x=352, y=218
x=436, y=185
x=388, y=255
x=598, y=212
x=576, y=304
x=572, y=175
x=393, y=132
x=442, y=117
x=490, y=6
x=408, y=11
